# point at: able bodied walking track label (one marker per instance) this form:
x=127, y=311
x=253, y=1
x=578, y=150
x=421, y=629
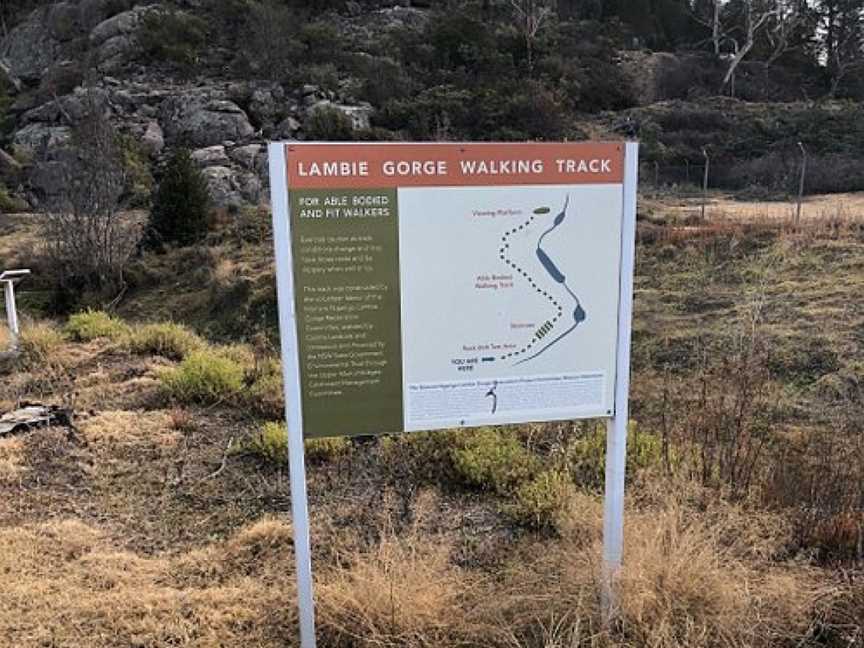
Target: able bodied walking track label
x=445, y=285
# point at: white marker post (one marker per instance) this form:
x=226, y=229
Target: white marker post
x=616, y=427
x=9, y=278
x=291, y=381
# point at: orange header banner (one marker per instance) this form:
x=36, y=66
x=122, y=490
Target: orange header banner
x=384, y=165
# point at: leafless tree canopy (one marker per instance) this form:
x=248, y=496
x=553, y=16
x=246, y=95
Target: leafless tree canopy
x=88, y=242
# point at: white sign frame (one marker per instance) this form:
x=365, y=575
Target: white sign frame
x=616, y=441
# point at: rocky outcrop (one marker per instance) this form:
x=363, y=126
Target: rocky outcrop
x=225, y=123
x=114, y=41
x=35, y=140
x=30, y=48
x=8, y=81
x=10, y=168
x=232, y=188
x=211, y=156
x=61, y=31
x=203, y=121
x=360, y=115
x=152, y=139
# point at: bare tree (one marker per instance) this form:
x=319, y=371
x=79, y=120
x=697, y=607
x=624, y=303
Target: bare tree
x=715, y=27
x=775, y=20
x=752, y=25
x=87, y=241
x=530, y=16
x=842, y=37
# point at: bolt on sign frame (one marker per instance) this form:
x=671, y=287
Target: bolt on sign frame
x=440, y=285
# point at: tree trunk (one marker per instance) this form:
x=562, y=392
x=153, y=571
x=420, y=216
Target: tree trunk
x=715, y=28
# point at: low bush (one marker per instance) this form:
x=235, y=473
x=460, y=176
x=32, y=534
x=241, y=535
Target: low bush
x=269, y=46
x=541, y=501
x=91, y=324
x=9, y=204
x=265, y=394
x=38, y=344
x=204, y=376
x=493, y=459
x=139, y=180
x=167, y=339
x=270, y=444
x=586, y=455
x=172, y=36
x=328, y=124
x=327, y=449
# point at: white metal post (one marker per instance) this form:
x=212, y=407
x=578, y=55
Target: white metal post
x=11, y=313
x=291, y=379
x=616, y=427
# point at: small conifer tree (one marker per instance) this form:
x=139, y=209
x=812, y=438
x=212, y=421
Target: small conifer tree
x=180, y=211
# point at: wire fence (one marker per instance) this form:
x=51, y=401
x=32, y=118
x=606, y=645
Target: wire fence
x=756, y=189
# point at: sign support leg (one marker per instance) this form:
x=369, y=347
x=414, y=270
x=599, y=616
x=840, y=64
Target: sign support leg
x=11, y=313
x=616, y=427
x=291, y=380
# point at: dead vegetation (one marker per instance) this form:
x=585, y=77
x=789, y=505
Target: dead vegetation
x=163, y=518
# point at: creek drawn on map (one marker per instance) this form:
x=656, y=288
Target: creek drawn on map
x=552, y=270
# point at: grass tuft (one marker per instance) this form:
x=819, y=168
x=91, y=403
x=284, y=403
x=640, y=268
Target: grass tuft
x=328, y=449
x=39, y=343
x=270, y=444
x=204, y=376
x=166, y=339
x=90, y=325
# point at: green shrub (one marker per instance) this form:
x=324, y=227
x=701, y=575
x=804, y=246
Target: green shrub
x=90, y=325
x=586, y=455
x=204, y=376
x=172, y=36
x=265, y=394
x=10, y=204
x=139, y=181
x=270, y=444
x=425, y=456
x=166, y=339
x=328, y=124
x=328, y=449
x=180, y=211
x=269, y=46
x=37, y=344
x=540, y=502
x=493, y=459
x=323, y=75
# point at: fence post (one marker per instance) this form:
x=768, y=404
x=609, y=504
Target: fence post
x=8, y=279
x=801, y=182
x=705, y=181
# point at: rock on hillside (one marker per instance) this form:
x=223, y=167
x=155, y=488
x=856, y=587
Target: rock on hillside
x=226, y=122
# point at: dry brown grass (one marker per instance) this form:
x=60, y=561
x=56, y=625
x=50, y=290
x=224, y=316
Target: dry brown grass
x=726, y=207
x=73, y=589
x=693, y=576
x=403, y=592
x=144, y=530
